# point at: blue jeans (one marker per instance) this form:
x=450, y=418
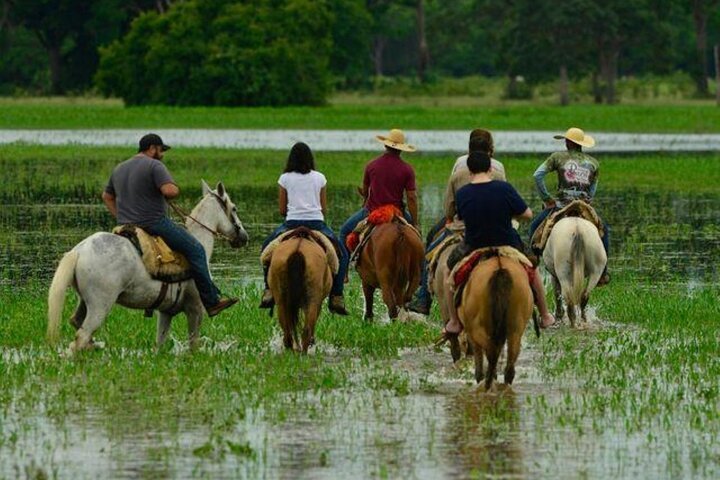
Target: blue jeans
x=319, y=226
x=181, y=241
x=543, y=215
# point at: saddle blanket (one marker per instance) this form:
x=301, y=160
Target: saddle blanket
x=161, y=262
x=302, y=232
x=576, y=208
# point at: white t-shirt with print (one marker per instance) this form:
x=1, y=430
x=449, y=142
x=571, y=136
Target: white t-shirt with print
x=303, y=192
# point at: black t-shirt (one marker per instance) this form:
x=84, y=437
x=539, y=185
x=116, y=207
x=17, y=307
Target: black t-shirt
x=487, y=210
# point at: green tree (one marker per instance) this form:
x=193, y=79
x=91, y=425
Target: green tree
x=202, y=52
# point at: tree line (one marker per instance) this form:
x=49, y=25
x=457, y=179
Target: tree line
x=279, y=52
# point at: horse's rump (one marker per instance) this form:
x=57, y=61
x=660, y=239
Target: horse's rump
x=161, y=262
x=329, y=247
x=360, y=235
x=461, y=271
x=576, y=208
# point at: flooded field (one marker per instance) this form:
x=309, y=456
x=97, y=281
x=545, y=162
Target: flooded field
x=632, y=395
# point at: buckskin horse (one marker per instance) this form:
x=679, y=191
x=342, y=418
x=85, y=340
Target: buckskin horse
x=106, y=269
x=495, y=308
x=300, y=278
x=575, y=258
x=391, y=260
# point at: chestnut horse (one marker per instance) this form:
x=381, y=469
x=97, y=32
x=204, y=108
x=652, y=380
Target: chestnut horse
x=391, y=260
x=496, y=305
x=300, y=279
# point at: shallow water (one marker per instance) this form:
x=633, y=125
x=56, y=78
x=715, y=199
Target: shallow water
x=439, y=426
x=362, y=140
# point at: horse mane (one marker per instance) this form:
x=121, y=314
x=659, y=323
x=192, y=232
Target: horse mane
x=500, y=288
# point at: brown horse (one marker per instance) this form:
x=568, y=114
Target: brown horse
x=300, y=279
x=496, y=305
x=390, y=260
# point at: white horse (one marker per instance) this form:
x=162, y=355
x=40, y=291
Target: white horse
x=106, y=268
x=573, y=255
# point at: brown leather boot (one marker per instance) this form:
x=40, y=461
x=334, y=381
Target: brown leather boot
x=221, y=305
x=337, y=305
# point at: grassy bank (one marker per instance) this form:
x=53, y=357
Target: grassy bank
x=68, y=173
x=364, y=113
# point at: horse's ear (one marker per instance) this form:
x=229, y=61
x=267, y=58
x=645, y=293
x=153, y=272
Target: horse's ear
x=205, y=188
x=220, y=189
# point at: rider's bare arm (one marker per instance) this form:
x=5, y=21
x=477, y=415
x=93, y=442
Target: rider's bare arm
x=109, y=201
x=413, y=205
x=282, y=201
x=323, y=201
x=169, y=190
x=526, y=215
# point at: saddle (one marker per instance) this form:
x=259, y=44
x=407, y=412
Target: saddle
x=361, y=234
x=461, y=272
x=433, y=256
x=161, y=262
x=328, y=246
x=576, y=208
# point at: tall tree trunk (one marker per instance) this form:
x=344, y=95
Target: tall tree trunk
x=596, y=90
x=564, y=96
x=700, y=17
x=378, y=48
x=423, y=52
x=609, y=68
x=55, y=58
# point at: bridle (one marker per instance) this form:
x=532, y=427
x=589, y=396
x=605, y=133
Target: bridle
x=182, y=213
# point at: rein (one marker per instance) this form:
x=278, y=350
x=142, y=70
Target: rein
x=186, y=215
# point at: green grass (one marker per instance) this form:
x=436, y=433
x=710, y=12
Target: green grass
x=363, y=113
x=73, y=173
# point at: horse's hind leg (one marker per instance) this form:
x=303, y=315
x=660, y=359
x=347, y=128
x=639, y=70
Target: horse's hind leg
x=368, y=292
x=479, y=360
x=96, y=312
x=492, y=355
x=557, y=291
x=78, y=317
x=583, y=305
x=391, y=301
x=513, y=350
x=308, y=336
x=571, y=314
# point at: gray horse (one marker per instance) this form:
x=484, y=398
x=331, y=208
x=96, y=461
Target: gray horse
x=106, y=269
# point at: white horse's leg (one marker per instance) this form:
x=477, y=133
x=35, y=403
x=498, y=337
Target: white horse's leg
x=194, y=311
x=97, y=310
x=163, y=327
x=557, y=290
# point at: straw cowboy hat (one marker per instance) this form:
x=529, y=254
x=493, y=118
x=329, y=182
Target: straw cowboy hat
x=576, y=135
x=396, y=140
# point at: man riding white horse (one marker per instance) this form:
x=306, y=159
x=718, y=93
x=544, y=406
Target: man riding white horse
x=136, y=194
x=577, y=179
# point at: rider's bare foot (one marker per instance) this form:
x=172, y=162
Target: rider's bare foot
x=547, y=320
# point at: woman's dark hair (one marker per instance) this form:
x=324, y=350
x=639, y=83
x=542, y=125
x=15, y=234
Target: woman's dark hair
x=481, y=140
x=478, y=162
x=300, y=159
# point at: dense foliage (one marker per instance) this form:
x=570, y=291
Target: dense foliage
x=276, y=52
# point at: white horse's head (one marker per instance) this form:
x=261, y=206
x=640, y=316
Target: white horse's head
x=225, y=220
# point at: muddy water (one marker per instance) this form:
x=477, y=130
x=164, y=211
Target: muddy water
x=439, y=427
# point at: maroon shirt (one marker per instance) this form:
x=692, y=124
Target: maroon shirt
x=386, y=179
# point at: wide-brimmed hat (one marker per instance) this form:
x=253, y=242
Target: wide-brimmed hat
x=396, y=140
x=576, y=135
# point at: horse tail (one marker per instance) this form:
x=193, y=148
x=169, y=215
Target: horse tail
x=577, y=268
x=296, y=287
x=501, y=284
x=61, y=281
x=403, y=274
